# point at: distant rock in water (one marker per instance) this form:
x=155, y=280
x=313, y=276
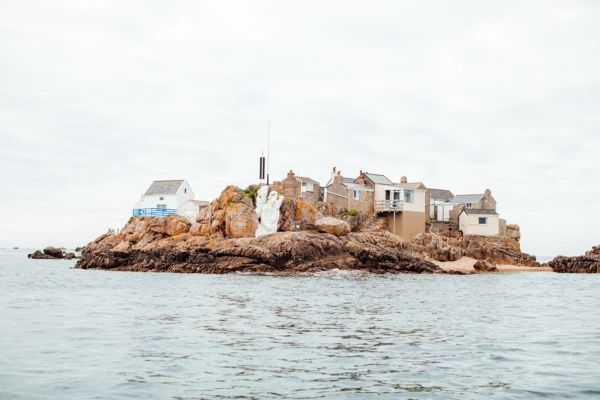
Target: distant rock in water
x=51, y=253
x=589, y=263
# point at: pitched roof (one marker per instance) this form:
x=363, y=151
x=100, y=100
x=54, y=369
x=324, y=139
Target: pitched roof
x=441, y=194
x=306, y=179
x=164, y=187
x=411, y=185
x=347, y=180
x=467, y=198
x=476, y=211
x=378, y=179
x=358, y=186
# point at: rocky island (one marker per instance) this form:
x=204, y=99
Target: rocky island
x=305, y=237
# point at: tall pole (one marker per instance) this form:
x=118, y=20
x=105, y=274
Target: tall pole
x=268, y=148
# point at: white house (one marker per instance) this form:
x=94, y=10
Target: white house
x=441, y=201
x=164, y=198
x=479, y=222
x=191, y=208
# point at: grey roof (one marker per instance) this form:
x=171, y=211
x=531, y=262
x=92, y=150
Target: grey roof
x=476, y=211
x=411, y=185
x=378, y=179
x=306, y=179
x=347, y=180
x=467, y=198
x=164, y=187
x=358, y=186
x=441, y=194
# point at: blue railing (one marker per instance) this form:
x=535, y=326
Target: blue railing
x=153, y=212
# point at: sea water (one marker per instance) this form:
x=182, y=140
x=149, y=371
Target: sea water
x=74, y=334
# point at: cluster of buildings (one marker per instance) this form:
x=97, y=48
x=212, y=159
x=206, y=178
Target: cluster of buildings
x=402, y=207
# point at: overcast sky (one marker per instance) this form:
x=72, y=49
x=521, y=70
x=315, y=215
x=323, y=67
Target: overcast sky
x=99, y=98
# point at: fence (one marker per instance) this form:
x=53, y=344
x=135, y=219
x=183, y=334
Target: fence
x=153, y=212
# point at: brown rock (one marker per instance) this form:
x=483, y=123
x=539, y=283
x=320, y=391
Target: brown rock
x=122, y=246
x=54, y=252
x=586, y=264
x=240, y=220
x=70, y=256
x=332, y=225
x=484, y=266
x=513, y=231
x=176, y=225
x=283, y=252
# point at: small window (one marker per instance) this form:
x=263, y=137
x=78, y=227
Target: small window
x=184, y=190
x=409, y=196
x=161, y=198
x=161, y=206
x=356, y=194
x=310, y=187
x=482, y=221
x=388, y=195
x=396, y=195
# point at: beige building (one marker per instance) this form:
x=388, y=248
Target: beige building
x=483, y=201
x=299, y=187
x=473, y=221
x=346, y=194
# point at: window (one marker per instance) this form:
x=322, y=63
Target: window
x=310, y=187
x=482, y=221
x=161, y=206
x=388, y=195
x=409, y=196
x=356, y=194
x=184, y=190
x=396, y=195
x=161, y=198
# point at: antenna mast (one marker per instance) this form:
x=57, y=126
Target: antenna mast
x=268, y=148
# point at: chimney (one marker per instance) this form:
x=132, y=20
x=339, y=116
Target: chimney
x=361, y=178
x=337, y=176
x=403, y=179
x=291, y=174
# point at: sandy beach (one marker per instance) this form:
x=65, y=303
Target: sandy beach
x=465, y=264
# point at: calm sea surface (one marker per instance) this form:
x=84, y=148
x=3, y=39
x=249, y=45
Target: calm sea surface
x=73, y=334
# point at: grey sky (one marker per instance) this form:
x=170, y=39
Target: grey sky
x=97, y=99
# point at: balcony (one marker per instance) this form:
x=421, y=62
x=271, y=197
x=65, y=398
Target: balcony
x=153, y=212
x=388, y=205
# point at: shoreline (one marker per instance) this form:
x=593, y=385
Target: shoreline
x=465, y=265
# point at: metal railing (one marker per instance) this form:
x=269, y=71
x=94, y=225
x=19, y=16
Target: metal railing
x=153, y=212
x=389, y=205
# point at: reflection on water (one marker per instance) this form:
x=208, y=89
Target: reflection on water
x=69, y=333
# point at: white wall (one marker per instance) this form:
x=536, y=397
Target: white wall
x=189, y=210
x=152, y=201
x=469, y=224
x=184, y=194
x=418, y=205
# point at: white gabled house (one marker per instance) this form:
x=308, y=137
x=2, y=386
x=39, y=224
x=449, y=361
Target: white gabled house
x=164, y=198
x=474, y=221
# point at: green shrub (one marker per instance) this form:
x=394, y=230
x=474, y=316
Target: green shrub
x=250, y=191
x=350, y=213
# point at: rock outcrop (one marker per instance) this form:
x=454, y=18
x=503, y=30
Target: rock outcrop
x=589, y=263
x=497, y=249
x=333, y=226
x=282, y=252
x=484, y=266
